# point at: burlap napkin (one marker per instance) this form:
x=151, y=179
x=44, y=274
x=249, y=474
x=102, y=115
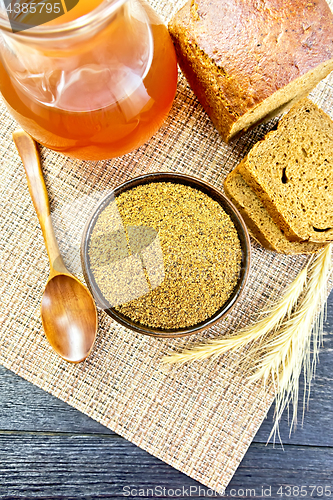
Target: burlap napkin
x=199, y=418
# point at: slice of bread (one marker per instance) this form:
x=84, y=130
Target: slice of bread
x=291, y=171
x=247, y=61
x=258, y=221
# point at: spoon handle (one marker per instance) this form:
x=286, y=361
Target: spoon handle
x=27, y=148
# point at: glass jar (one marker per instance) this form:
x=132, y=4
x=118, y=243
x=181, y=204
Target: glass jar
x=95, y=87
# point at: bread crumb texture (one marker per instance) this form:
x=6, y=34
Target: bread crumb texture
x=260, y=224
x=291, y=171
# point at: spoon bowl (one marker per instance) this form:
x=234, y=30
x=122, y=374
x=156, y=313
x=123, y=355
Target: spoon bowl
x=68, y=310
x=69, y=317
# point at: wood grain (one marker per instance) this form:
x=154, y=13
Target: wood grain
x=50, y=450
x=28, y=151
x=68, y=310
x=95, y=466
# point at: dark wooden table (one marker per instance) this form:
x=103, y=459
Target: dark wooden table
x=49, y=450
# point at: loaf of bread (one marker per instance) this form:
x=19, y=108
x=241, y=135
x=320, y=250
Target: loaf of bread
x=259, y=222
x=247, y=60
x=291, y=171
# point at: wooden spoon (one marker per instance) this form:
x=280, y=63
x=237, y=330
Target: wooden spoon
x=68, y=310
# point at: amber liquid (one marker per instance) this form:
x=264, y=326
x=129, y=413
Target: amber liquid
x=103, y=131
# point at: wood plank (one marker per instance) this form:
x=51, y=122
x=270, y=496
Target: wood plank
x=319, y=413
x=70, y=456
x=295, y=466
x=25, y=407
x=49, y=466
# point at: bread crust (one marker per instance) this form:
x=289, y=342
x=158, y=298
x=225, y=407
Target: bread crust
x=237, y=53
x=258, y=221
x=278, y=218
x=291, y=172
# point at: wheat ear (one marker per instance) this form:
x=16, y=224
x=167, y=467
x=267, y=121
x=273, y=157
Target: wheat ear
x=287, y=352
x=269, y=323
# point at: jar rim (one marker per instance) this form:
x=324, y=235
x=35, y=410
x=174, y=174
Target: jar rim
x=106, y=7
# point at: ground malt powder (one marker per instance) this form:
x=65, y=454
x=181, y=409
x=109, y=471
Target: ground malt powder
x=165, y=255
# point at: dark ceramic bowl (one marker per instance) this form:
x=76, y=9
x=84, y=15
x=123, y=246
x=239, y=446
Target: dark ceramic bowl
x=178, y=179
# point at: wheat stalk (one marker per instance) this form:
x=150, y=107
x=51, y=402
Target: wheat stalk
x=289, y=351
x=280, y=343
x=269, y=323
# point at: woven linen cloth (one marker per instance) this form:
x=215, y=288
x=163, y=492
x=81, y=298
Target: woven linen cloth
x=199, y=418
